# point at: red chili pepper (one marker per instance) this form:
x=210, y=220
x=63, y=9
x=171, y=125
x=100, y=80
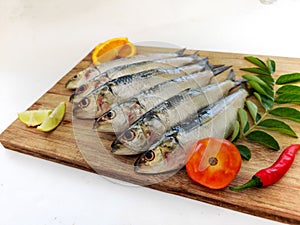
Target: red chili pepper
x=272, y=174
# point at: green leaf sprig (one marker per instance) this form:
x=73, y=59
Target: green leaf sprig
x=261, y=80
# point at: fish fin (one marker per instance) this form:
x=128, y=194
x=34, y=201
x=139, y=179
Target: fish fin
x=221, y=70
x=110, y=85
x=231, y=75
x=180, y=52
x=136, y=101
x=173, y=134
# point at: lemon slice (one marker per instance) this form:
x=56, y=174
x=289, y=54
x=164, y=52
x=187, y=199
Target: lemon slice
x=33, y=118
x=54, y=119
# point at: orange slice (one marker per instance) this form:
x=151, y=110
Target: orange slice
x=113, y=49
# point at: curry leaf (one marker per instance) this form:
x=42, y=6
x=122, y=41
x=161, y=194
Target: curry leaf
x=263, y=138
x=267, y=79
x=257, y=71
x=261, y=89
x=288, y=78
x=258, y=62
x=257, y=79
x=236, y=131
x=288, y=89
x=277, y=125
x=252, y=110
x=244, y=151
x=247, y=127
x=286, y=113
x=272, y=66
x=265, y=101
x=288, y=98
x=243, y=119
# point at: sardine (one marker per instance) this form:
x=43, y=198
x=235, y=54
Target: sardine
x=120, y=116
x=154, y=123
x=119, y=71
x=117, y=90
x=172, y=150
x=93, y=71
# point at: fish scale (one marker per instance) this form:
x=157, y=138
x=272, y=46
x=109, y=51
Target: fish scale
x=93, y=71
x=87, y=86
x=165, y=115
x=119, y=89
x=216, y=120
x=122, y=115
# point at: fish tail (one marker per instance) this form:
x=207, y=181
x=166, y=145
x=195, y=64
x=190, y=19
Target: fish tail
x=213, y=67
x=231, y=75
x=240, y=84
x=221, y=70
x=196, y=53
x=180, y=52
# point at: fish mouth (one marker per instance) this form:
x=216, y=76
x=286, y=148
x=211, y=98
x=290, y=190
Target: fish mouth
x=70, y=85
x=141, y=168
x=102, y=125
x=72, y=96
x=118, y=148
x=84, y=115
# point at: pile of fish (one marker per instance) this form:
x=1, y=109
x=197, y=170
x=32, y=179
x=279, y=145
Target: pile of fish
x=157, y=105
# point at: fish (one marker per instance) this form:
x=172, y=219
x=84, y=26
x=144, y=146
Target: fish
x=93, y=71
x=119, y=71
x=120, y=116
x=171, y=152
x=117, y=90
x=150, y=126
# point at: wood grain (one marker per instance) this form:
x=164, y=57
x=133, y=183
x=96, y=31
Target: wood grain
x=75, y=144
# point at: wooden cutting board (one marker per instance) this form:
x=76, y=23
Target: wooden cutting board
x=75, y=144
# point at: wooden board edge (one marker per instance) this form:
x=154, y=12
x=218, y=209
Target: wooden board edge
x=159, y=187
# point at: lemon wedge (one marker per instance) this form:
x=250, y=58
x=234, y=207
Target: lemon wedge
x=113, y=49
x=34, y=118
x=54, y=119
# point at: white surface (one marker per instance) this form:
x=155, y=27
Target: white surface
x=40, y=41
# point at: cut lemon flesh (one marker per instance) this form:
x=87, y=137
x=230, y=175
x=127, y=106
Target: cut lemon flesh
x=113, y=49
x=54, y=119
x=34, y=118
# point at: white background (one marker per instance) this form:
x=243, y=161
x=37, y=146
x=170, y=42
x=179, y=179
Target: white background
x=40, y=41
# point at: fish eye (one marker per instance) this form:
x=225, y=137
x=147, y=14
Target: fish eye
x=111, y=114
x=75, y=76
x=129, y=135
x=81, y=89
x=84, y=103
x=149, y=155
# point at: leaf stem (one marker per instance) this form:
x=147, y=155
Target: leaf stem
x=255, y=124
x=266, y=113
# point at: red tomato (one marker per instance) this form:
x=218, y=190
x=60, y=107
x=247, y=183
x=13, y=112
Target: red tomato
x=214, y=162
